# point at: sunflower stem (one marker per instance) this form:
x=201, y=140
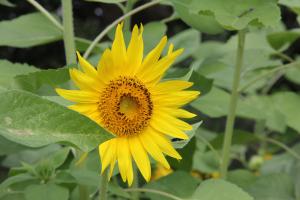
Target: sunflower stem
x=46, y=13
x=135, y=184
x=233, y=104
x=80, y=163
x=128, y=8
x=69, y=41
x=103, y=185
x=112, y=25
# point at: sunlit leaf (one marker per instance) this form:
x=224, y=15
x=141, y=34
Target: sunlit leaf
x=33, y=121
x=16, y=32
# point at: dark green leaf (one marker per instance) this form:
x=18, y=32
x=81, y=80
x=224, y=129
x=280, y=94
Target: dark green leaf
x=282, y=40
x=16, y=32
x=9, y=70
x=200, y=21
x=272, y=187
x=237, y=14
x=47, y=192
x=179, y=183
x=48, y=122
x=220, y=189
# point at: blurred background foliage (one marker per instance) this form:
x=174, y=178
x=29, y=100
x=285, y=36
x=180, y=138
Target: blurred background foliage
x=265, y=153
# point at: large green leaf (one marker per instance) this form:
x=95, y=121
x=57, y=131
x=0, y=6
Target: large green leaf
x=282, y=40
x=189, y=40
x=9, y=70
x=219, y=189
x=28, y=30
x=201, y=21
x=153, y=32
x=43, y=82
x=179, y=183
x=288, y=103
x=47, y=191
x=33, y=121
x=272, y=187
x=237, y=14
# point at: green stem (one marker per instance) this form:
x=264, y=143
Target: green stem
x=165, y=194
x=103, y=185
x=280, y=144
x=108, y=28
x=128, y=8
x=233, y=105
x=69, y=41
x=80, y=163
x=135, y=184
x=268, y=73
x=45, y=13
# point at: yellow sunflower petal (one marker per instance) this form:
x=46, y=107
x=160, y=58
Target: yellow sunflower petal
x=175, y=99
x=119, y=49
x=165, y=127
x=78, y=96
x=159, y=68
x=170, y=86
x=140, y=157
x=84, y=82
x=112, y=166
x=154, y=55
x=87, y=67
x=123, y=157
x=164, y=144
x=177, y=112
x=105, y=67
x=85, y=108
x=106, y=153
x=165, y=117
x=152, y=148
x=135, y=51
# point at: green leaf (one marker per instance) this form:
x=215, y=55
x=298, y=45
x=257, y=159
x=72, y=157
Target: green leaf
x=153, y=32
x=6, y=3
x=4, y=186
x=9, y=70
x=48, y=122
x=237, y=14
x=28, y=30
x=288, y=103
x=189, y=40
x=272, y=187
x=173, y=184
x=9, y=147
x=43, y=82
x=47, y=192
x=200, y=21
x=220, y=189
x=282, y=40
x=293, y=74
x=181, y=143
x=294, y=5
x=241, y=177
x=59, y=157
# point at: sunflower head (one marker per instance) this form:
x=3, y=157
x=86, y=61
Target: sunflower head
x=126, y=96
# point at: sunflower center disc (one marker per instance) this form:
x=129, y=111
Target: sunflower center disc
x=125, y=106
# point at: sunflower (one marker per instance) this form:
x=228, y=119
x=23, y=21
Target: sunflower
x=125, y=96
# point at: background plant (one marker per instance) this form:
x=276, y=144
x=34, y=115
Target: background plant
x=242, y=55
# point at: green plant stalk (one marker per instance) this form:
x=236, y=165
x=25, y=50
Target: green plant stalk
x=108, y=28
x=233, y=104
x=103, y=185
x=45, y=13
x=135, y=184
x=69, y=40
x=128, y=8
